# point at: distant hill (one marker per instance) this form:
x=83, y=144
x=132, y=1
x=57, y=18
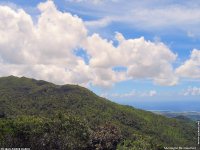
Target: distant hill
x=183, y=118
x=192, y=115
x=33, y=109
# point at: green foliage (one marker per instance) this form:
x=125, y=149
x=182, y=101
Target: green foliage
x=61, y=133
x=42, y=101
x=106, y=136
x=140, y=142
x=134, y=145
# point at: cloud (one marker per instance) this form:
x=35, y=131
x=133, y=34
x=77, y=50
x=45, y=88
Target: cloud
x=191, y=67
x=98, y=23
x=192, y=91
x=91, y=1
x=150, y=15
x=136, y=55
x=45, y=49
x=152, y=93
x=184, y=18
x=131, y=94
x=154, y=58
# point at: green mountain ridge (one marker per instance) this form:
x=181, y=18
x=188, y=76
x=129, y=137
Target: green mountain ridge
x=26, y=102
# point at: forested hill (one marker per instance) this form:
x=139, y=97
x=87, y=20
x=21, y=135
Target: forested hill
x=42, y=115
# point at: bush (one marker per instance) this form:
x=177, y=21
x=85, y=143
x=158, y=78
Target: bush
x=105, y=137
x=61, y=132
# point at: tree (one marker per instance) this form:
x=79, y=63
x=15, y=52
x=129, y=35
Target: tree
x=105, y=137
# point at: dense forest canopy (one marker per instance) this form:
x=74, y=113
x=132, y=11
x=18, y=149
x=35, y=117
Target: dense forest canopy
x=42, y=115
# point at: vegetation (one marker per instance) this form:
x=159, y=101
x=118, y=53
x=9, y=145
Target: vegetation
x=41, y=115
x=44, y=133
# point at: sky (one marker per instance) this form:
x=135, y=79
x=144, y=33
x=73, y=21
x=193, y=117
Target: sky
x=140, y=53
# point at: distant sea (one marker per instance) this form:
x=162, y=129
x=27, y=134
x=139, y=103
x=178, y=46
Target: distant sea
x=175, y=106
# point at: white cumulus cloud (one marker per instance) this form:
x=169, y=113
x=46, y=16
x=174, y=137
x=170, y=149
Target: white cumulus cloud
x=143, y=59
x=45, y=49
x=191, y=67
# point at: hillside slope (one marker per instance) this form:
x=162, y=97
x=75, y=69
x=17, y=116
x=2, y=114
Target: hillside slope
x=24, y=96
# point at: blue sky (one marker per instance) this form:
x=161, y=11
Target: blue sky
x=145, y=54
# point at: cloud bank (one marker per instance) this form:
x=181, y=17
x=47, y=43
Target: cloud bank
x=46, y=49
x=131, y=94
